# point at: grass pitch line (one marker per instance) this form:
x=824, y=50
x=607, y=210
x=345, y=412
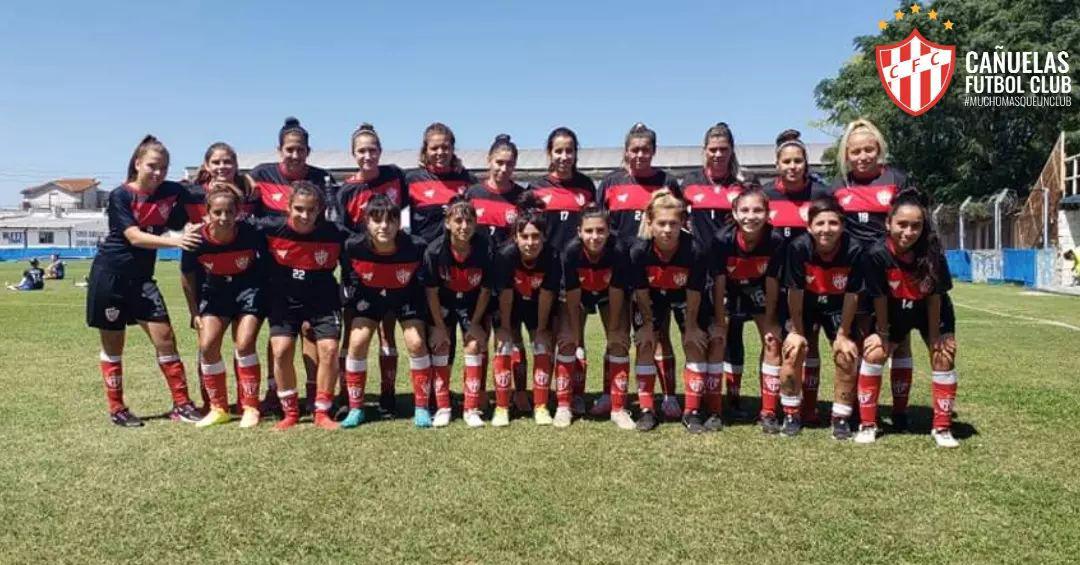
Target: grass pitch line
x=1020, y=317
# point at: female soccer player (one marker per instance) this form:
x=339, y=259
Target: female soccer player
x=865, y=189
x=304, y=248
x=122, y=290
x=746, y=270
x=230, y=293
x=457, y=278
x=624, y=193
x=386, y=261
x=789, y=202
x=667, y=272
x=370, y=179
x=822, y=275
x=440, y=177
x=495, y=198
x=908, y=278
x=594, y=266
x=527, y=283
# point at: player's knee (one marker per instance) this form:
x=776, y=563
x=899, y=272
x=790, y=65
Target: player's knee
x=874, y=353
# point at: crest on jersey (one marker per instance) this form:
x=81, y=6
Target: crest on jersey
x=546, y=198
x=362, y=305
x=810, y=279
x=894, y=284
x=534, y=282
x=772, y=214
x=884, y=197
x=403, y=275
x=846, y=200
x=321, y=257
x=699, y=197
x=679, y=279
x=731, y=196
x=112, y=314
x=761, y=268
x=804, y=212
x=479, y=212
x=242, y=262
x=393, y=194
x=607, y=277
x=430, y=193
x=580, y=199
x=208, y=265
x=510, y=216
x=622, y=197
x=839, y=281
x=276, y=196
x=163, y=208
x=474, y=279
x=282, y=253
x=915, y=72
x=367, y=276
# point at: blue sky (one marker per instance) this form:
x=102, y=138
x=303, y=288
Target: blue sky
x=83, y=81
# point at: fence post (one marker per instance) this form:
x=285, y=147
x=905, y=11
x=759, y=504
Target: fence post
x=960, y=218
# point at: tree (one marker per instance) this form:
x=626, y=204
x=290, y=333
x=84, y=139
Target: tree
x=954, y=151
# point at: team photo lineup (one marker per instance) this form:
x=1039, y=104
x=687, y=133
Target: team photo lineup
x=518, y=270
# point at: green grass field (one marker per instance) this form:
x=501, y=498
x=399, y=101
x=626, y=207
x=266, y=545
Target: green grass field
x=74, y=488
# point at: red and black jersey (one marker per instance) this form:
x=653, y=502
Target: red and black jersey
x=866, y=203
x=710, y=202
x=224, y=261
x=563, y=201
x=746, y=268
x=195, y=203
x=389, y=272
x=427, y=195
x=668, y=278
x=153, y=213
x=458, y=278
x=888, y=273
x=495, y=211
x=272, y=185
x=301, y=261
x=355, y=192
x=789, y=209
x=825, y=280
x=594, y=275
x=526, y=279
x=626, y=196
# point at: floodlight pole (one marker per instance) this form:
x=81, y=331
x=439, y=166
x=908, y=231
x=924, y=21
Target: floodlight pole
x=961, y=218
x=997, y=217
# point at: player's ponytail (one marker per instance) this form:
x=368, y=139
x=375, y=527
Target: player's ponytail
x=148, y=143
x=639, y=131
x=502, y=141
x=927, y=248
x=292, y=127
x=364, y=129
x=662, y=199
x=530, y=210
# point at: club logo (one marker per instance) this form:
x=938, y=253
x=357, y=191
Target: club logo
x=321, y=257
x=546, y=198
x=430, y=193
x=772, y=214
x=367, y=276
x=679, y=279
x=772, y=384
x=112, y=314
x=945, y=404
x=393, y=194
x=580, y=199
x=699, y=197
x=846, y=200
x=403, y=275
x=712, y=383
x=696, y=386
x=900, y=388
x=761, y=268
x=163, y=208
x=894, y=284
x=282, y=253
x=623, y=197
x=510, y=216
x=620, y=384
x=354, y=392
x=535, y=282
x=731, y=196
x=473, y=385
x=915, y=72
x=480, y=212
x=864, y=397
x=474, y=279
x=113, y=382
x=562, y=384
x=542, y=379
x=276, y=197
x=810, y=279
x=242, y=262
x=839, y=281
x=362, y=305
x=208, y=265
x=502, y=379
x=250, y=389
x=804, y=212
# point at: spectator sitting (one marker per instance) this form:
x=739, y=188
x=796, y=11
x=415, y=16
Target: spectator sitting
x=55, y=270
x=1074, y=256
x=33, y=278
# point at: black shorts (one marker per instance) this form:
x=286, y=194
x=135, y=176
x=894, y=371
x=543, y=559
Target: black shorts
x=662, y=308
x=828, y=319
x=592, y=301
x=114, y=301
x=905, y=316
x=404, y=305
x=457, y=312
x=233, y=301
x=287, y=317
x=745, y=303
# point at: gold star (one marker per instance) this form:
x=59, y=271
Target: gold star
x=899, y=15
x=915, y=8
x=932, y=14
x=948, y=24
x=882, y=25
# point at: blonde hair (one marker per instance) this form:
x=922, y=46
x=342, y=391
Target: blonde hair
x=859, y=126
x=662, y=199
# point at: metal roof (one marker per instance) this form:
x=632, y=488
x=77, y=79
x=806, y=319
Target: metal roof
x=42, y=221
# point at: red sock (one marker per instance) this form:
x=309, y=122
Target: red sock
x=665, y=369
x=770, y=389
x=792, y=405
x=714, y=388
x=733, y=380
x=565, y=365
x=203, y=393
x=355, y=381
x=618, y=378
x=944, y=392
x=869, y=389
x=173, y=368
x=290, y=408
x=213, y=378
x=324, y=401
x=541, y=377
x=646, y=384
x=388, y=360
x=810, y=383
x=112, y=373
x=247, y=371
x=474, y=381
x=503, y=371
x=581, y=371
x=520, y=367
x=440, y=369
x=420, y=373
x=694, y=385
x=236, y=378
x=607, y=374
x=900, y=377
x=483, y=378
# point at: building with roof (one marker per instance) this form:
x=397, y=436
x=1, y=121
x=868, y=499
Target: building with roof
x=66, y=194
x=52, y=228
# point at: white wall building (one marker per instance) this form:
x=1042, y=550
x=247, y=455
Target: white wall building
x=53, y=228
x=66, y=194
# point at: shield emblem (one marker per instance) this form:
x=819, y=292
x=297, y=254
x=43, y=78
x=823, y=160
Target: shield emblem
x=680, y=279
x=403, y=275
x=282, y=253
x=502, y=379
x=392, y=193
x=479, y=212
x=111, y=314
x=546, y=198
x=474, y=280
x=163, y=208
x=699, y=197
x=620, y=384
x=894, y=284
x=915, y=72
x=622, y=197
x=839, y=281
x=945, y=404
x=367, y=276
x=712, y=383
x=804, y=212
x=542, y=379
x=580, y=199
x=864, y=397
x=607, y=278
x=473, y=385
x=772, y=214
x=430, y=193
x=761, y=268
x=731, y=196
x=884, y=197
x=321, y=257
x=113, y=382
x=534, y=282
x=562, y=383
x=810, y=279
x=696, y=386
x=208, y=265
x=511, y=215
x=276, y=196
x=242, y=263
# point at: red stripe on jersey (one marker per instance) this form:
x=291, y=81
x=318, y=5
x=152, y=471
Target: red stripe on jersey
x=391, y=276
x=228, y=262
x=195, y=211
x=826, y=280
x=788, y=214
x=594, y=280
x=150, y=213
x=355, y=208
x=307, y=255
x=868, y=198
x=746, y=268
x=496, y=213
x=435, y=192
x=274, y=196
x=458, y=279
x=558, y=199
x=710, y=196
x=624, y=197
x=903, y=286
x=527, y=282
x=668, y=277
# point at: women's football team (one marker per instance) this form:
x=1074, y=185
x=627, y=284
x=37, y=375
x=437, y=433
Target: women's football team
x=519, y=269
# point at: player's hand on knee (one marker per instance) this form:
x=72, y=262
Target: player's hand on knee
x=794, y=344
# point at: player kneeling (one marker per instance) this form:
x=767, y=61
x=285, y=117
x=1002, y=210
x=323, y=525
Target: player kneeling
x=385, y=261
x=908, y=278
